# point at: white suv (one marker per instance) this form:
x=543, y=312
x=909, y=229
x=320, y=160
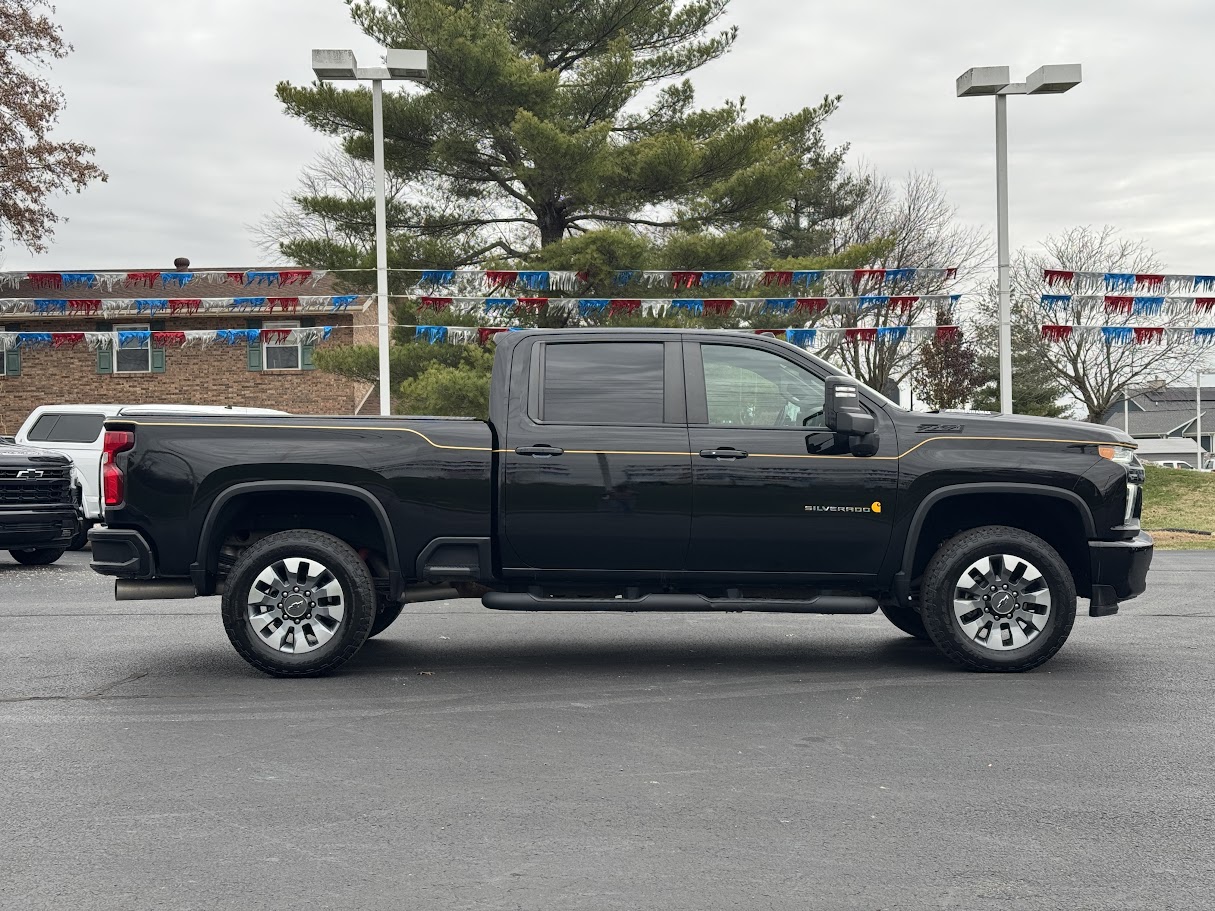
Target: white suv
x=75, y=431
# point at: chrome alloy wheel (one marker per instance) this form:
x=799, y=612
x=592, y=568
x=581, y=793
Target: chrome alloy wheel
x=1001, y=602
x=295, y=605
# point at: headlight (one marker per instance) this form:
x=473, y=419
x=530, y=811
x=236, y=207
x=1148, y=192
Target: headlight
x=1132, y=497
x=1124, y=455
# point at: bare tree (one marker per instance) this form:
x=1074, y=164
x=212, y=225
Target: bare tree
x=1091, y=368
x=33, y=167
x=911, y=224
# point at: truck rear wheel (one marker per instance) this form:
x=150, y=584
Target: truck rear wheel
x=908, y=620
x=998, y=599
x=37, y=556
x=298, y=604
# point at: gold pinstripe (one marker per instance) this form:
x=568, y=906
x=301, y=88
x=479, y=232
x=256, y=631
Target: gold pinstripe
x=628, y=452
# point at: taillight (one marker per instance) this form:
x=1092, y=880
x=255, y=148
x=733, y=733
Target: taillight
x=112, y=486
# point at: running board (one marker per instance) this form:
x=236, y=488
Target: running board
x=823, y=604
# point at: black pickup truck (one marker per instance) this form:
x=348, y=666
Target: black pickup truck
x=39, y=512
x=631, y=470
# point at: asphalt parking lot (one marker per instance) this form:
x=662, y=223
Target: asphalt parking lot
x=469, y=759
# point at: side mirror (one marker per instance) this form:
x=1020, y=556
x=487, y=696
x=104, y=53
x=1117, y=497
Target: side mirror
x=842, y=410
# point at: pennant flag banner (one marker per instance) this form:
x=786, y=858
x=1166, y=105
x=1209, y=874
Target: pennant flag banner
x=104, y=341
x=802, y=338
x=599, y=307
x=143, y=306
x=1132, y=305
x=1132, y=335
x=42, y=281
x=1129, y=282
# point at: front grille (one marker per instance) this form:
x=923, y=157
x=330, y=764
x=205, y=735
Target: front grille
x=52, y=489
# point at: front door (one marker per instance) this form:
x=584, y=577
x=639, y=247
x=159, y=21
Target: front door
x=596, y=467
x=773, y=490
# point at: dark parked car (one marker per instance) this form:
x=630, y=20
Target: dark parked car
x=625, y=471
x=39, y=513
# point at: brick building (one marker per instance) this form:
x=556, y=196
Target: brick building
x=269, y=369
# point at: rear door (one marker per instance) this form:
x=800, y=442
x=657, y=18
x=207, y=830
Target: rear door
x=597, y=474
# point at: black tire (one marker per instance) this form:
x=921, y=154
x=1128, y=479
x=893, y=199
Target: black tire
x=37, y=556
x=945, y=571
x=908, y=620
x=81, y=538
x=345, y=566
x=385, y=615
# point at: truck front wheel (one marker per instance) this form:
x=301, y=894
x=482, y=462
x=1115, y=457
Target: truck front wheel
x=998, y=599
x=298, y=604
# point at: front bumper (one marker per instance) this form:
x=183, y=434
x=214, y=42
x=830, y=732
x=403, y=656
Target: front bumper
x=42, y=527
x=121, y=552
x=1119, y=572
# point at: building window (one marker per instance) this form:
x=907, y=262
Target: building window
x=132, y=359
x=278, y=354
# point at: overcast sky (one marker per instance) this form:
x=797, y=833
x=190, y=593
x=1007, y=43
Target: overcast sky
x=179, y=100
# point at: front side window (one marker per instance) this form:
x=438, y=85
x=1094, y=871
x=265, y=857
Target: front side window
x=745, y=387
x=131, y=359
x=603, y=383
x=277, y=352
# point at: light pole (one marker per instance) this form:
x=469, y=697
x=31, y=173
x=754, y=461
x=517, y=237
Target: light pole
x=994, y=80
x=337, y=65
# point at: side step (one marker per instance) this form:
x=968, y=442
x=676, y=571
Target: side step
x=823, y=604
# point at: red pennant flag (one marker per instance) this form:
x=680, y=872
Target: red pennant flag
x=435, y=303
x=866, y=335
x=861, y=275
x=811, y=304
x=719, y=307
x=85, y=307
x=272, y=336
x=286, y=304
x=45, y=280
x=584, y=277
x=628, y=307
x=147, y=279
x=66, y=339
x=1148, y=335
x=775, y=333
x=168, y=339
x=500, y=279
x=484, y=334
x=1056, y=333
x=239, y=277
x=777, y=278
x=1059, y=277
x=1204, y=303
x=188, y=304
x=945, y=333
x=534, y=304
x=1119, y=304
x=951, y=273
x=685, y=279
x=1151, y=282
x=904, y=304
x=293, y=276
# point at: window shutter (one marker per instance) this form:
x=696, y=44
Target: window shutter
x=157, y=353
x=12, y=359
x=306, y=361
x=255, y=350
x=105, y=356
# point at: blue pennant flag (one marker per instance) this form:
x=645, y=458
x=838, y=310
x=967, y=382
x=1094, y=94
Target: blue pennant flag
x=1057, y=300
x=499, y=303
x=432, y=334
x=33, y=339
x=150, y=306
x=239, y=303
x=892, y=334
x=87, y=279
x=237, y=336
x=1204, y=282
x=780, y=305
x=900, y=275
x=342, y=301
x=535, y=281
x=1118, y=335
x=692, y=305
x=588, y=306
x=1148, y=306
x=50, y=306
x=326, y=331
x=134, y=339
x=875, y=301
x=711, y=279
x=176, y=279
x=803, y=338
x=262, y=278
x=1119, y=281
x=1204, y=336
x=807, y=278
x=626, y=276
x=953, y=299
x=438, y=276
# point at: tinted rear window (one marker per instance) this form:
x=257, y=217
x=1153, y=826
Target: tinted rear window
x=603, y=383
x=67, y=428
